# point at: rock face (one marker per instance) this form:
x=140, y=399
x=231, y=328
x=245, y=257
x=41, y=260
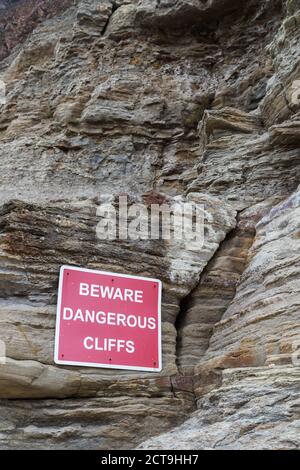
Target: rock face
x=255, y=408
x=163, y=101
x=19, y=17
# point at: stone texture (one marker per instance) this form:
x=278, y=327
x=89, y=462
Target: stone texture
x=260, y=327
x=280, y=104
x=237, y=156
x=86, y=424
x=92, y=16
x=160, y=101
x=255, y=408
x=18, y=18
x=117, y=117
x=28, y=279
x=181, y=13
x=206, y=305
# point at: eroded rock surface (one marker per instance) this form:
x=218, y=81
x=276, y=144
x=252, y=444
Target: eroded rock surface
x=18, y=18
x=253, y=409
x=164, y=101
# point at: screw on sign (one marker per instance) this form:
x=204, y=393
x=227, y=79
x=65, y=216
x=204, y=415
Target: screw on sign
x=108, y=320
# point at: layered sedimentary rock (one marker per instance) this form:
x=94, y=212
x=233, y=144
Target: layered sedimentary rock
x=206, y=305
x=237, y=157
x=162, y=102
x=29, y=270
x=247, y=367
x=18, y=18
x=255, y=408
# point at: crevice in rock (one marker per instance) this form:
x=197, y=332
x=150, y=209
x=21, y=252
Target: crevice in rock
x=208, y=301
x=187, y=303
x=208, y=373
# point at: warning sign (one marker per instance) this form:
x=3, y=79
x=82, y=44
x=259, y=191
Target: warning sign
x=108, y=320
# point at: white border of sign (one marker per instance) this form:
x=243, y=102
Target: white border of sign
x=105, y=366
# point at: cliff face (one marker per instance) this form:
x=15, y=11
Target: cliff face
x=158, y=100
x=19, y=17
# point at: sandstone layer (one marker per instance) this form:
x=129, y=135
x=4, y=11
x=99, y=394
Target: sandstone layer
x=160, y=101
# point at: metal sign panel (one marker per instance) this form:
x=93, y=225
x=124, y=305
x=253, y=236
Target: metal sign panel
x=108, y=320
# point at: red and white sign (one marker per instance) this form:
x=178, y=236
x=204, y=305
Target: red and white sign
x=108, y=320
